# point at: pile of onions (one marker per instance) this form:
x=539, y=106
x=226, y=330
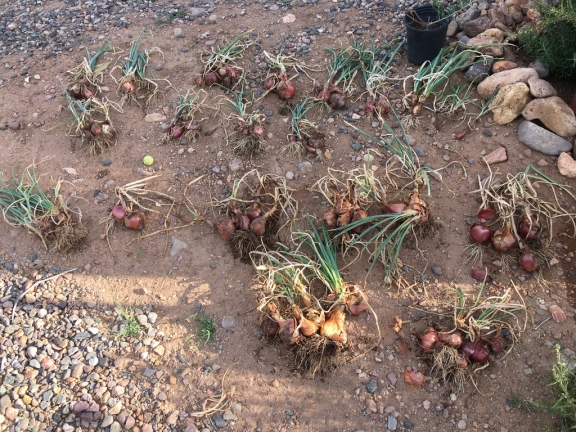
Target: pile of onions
x=413, y=203
x=82, y=90
x=333, y=96
x=253, y=220
x=101, y=130
x=476, y=352
x=135, y=220
x=224, y=75
x=279, y=83
x=345, y=210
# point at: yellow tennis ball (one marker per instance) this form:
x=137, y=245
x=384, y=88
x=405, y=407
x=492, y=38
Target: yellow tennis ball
x=148, y=160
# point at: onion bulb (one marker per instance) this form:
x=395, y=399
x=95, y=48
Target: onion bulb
x=369, y=107
x=270, y=83
x=487, y=214
x=395, y=207
x=225, y=228
x=128, y=87
x=135, y=220
x=210, y=78
x=468, y=348
x=118, y=212
x=451, y=339
x=177, y=131
x=269, y=326
x=503, y=240
x=258, y=129
x=336, y=101
x=480, y=354
x=258, y=225
x=528, y=227
x=479, y=273
x=528, y=260
x=307, y=327
x=231, y=72
x=330, y=219
x=428, y=340
x=480, y=233
x=243, y=222
x=286, y=90
x=461, y=361
x=497, y=343
x=289, y=332
x=253, y=211
x=334, y=327
x=95, y=128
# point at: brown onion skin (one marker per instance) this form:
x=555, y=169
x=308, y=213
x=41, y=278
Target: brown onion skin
x=253, y=212
x=258, y=226
x=503, y=240
x=497, y=344
x=210, y=78
x=330, y=219
x=528, y=261
x=226, y=228
x=286, y=90
x=336, y=101
x=451, y=339
x=243, y=222
x=118, y=212
x=128, y=87
x=461, y=360
x=428, y=340
x=480, y=233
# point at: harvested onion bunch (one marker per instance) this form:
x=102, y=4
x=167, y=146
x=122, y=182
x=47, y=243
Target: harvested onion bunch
x=219, y=67
x=342, y=70
x=87, y=75
x=23, y=203
x=131, y=208
x=249, y=136
x=277, y=79
x=345, y=210
x=305, y=133
x=92, y=122
x=135, y=83
x=310, y=322
x=184, y=125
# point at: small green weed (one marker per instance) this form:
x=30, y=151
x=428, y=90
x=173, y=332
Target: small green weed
x=130, y=327
x=564, y=386
x=206, y=331
x=181, y=13
x=517, y=400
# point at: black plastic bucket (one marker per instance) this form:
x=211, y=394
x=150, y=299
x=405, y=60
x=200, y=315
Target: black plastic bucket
x=425, y=44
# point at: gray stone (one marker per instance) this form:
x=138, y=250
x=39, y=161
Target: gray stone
x=228, y=322
x=152, y=317
x=391, y=377
x=542, y=140
x=116, y=427
x=177, y=246
x=372, y=386
x=452, y=29
x=469, y=15
x=391, y=423
x=487, y=87
x=305, y=166
x=197, y=12
x=541, y=68
x=479, y=71
x=172, y=418
x=436, y=269
x=235, y=165
x=108, y=420
x=476, y=26
x=219, y=421
x=461, y=425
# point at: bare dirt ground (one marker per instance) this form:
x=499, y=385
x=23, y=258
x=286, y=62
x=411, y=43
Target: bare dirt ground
x=272, y=395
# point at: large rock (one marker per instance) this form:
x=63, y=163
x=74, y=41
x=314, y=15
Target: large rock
x=493, y=33
x=479, y=71
x=542, y=140
x=554, y=113
x=452, y=29
x=493, y=82
x=490, y=47
x=540, y=88
x=567, y=165
x=476, y=26
x=495, y=13
x=509, y=102
x=503, y=65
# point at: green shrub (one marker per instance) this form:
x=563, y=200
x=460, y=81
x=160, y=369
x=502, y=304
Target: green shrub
x=553, y=39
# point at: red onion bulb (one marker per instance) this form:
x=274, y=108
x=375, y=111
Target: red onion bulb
x=480, y=233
